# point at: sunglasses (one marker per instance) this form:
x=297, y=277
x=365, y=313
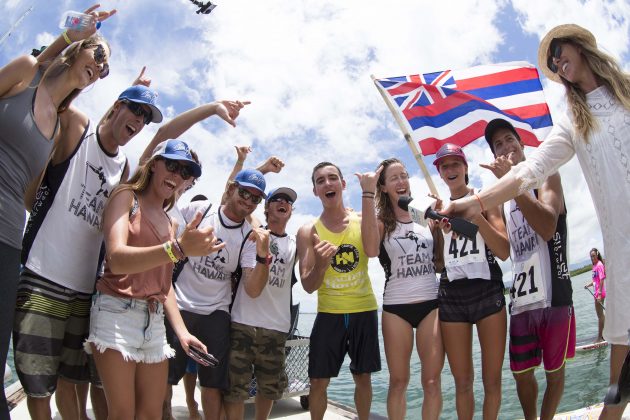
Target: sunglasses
x=139, y=111
x=281, y=199
x=176, y=167
x=246, y=195
x=100, y=58
x=556, y=51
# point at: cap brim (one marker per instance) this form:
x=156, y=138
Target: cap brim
x=156, y=114
x=283, y=190
x=196, y=169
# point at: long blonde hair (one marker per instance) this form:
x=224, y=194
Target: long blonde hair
x=607, y=72
x=64, y=61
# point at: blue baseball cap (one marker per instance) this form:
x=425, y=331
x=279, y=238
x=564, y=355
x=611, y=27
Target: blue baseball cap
x=143, y=95
x=252, y=178
x=288, y=192
x=177, y=150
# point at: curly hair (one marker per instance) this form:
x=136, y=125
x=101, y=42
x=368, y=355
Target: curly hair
x=607, y=72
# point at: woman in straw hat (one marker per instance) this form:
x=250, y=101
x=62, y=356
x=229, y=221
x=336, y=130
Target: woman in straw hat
x=596, y=129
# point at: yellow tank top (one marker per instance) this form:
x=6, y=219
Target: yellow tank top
x=346, y=287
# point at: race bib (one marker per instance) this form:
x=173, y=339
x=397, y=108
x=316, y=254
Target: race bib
x=462, y=251
x=528, y=286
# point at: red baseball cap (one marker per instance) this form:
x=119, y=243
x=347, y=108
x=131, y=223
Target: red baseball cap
x=449, y=149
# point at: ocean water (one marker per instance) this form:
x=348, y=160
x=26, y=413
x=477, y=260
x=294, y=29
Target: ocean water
x=585, y=384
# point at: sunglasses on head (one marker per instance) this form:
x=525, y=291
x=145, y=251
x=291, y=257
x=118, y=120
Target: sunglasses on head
x=139, y=111
x=100, y=58
x=555, y=49
x=247, y=195
x=281, y=199
x=176, y=167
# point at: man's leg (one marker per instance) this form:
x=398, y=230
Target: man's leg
x=263, y=407
x=527, y=390
x=553, y=394
x=318, y=398
x=99, y=402
x=190, y=383
x=211, y=401
x=67, y=399
x=363, y=394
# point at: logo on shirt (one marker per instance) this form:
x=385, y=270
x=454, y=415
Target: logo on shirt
x=94, y=193
x=346, y=259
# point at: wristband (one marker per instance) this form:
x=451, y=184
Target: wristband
x=168, y=247
x=263, y=260
x=178, y=248
x=370, y=197
x=480, y=203
x=65, y=36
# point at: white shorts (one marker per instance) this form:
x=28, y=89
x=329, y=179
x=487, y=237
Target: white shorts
x=133, y=327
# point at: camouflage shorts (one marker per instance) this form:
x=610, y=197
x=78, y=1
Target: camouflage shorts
x=259, y=352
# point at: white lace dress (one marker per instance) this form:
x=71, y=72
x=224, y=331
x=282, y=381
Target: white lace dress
x=605, y=162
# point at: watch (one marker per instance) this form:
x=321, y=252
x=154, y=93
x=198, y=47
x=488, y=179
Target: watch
x=263, y=260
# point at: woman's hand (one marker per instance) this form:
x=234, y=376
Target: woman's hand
x=368, y=180
x=97, y=16
x=142, y=79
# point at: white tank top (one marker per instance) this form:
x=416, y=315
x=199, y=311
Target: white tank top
x=469, y=259
x=63, y=235
x=204, y=285
x=407, y=258
x=532, y=271
x=272, y=309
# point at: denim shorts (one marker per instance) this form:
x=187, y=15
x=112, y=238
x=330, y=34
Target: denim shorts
x=133, y=327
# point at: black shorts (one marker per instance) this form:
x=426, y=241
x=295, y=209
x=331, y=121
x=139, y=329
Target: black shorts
x=469, y=300
x=214, y=331
x=334, y=335
x=413, y=313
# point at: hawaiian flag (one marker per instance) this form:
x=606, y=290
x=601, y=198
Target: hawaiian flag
x=454, y=106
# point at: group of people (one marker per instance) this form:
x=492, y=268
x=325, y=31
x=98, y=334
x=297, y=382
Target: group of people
x=113, y=266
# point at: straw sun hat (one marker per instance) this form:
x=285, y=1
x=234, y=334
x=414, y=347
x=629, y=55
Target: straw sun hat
x=569, y=31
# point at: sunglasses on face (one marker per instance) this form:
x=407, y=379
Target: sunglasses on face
x=246, y=195
x=139, y=111
x=556, y=51
x=176, y=167
x=281, y=200
x=100, y=58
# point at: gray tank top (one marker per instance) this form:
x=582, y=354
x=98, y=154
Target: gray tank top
x=23, y=153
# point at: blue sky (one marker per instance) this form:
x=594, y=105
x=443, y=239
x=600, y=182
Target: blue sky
x=306, y=67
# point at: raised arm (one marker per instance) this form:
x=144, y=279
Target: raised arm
x=60, y=43
x=370, y=235
x=314, y=257
x=226, y=110
x=554, y=152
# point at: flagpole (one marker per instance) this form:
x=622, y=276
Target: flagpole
x=412, y=144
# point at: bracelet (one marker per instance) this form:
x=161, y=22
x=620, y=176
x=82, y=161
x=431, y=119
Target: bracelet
x=370, y=197
x=480, y=203
x=168, y=247
x=65, y=36
x=178, y=248
x=369, y=192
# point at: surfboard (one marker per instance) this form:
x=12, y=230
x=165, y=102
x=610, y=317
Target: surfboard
x=587, y=345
